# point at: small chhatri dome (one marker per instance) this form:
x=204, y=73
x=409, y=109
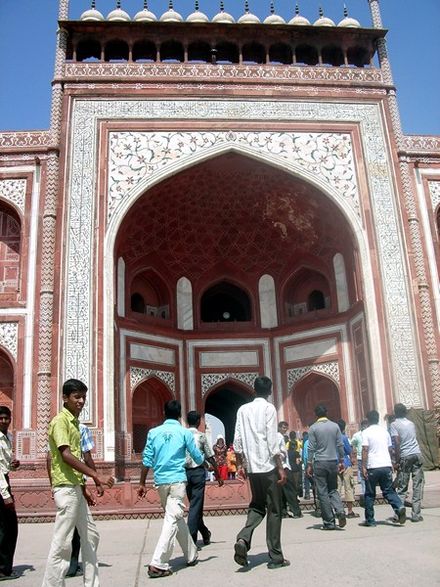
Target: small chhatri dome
x=197, y=15
x=248, y=17
x=349, y=22
x=223, y=17
x=118, y=14
x=171, y=15
x=273, y=18
x=92, y=14
x=298, y=19
x=145, y=15
x=323, y=20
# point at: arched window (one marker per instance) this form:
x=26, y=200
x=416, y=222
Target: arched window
x=149, y=295
x=116, y=51
x=88, y=50
x=171, y=52
x=306, y=55
x=6, y=381
x=280, y=53
x=358, y=56
x=199, y=53
x=332, y=55
x=307, y=291
x=10, y=237
x=254, y=53
x=225, y=302
x=144, y=52
x=227, y=53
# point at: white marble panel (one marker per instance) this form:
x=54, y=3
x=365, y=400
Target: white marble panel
x=185, y=318
x=309, y=350
x=268, y=302
x=152, y=354
x=226, y=359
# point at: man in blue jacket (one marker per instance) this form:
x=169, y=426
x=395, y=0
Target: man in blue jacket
x=165, y=452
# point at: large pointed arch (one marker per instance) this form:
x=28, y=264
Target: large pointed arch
x=353, y=223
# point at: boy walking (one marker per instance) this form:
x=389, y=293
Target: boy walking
x=69, y=491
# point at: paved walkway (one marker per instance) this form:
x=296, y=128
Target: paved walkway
x=388, y=554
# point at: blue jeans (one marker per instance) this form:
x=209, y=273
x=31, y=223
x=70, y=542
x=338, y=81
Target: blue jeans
x=383, y=477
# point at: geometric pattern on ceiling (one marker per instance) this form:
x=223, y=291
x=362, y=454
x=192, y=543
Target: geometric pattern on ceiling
x=231, y=209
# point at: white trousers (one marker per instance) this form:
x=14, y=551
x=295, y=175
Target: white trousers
x=174, y=526
x=72, y=511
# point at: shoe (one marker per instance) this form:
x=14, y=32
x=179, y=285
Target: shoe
x=240, y=555
x=407, y=503
x=10, y=577
x=207, y=539
x=78, y=572
x=394, y=519
x=273, y=565
x=371, y=524
x=329, y=527
x=155, y=573
x=401, y=514
x=342, y=519
x=192, y=563
x=416, y=518
x=298, y=515
x=352, y=515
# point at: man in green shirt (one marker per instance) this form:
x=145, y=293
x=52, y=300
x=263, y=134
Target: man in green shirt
x=69, y=491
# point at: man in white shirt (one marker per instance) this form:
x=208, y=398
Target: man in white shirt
x=409, y=460
x=256, y=445
x=377, y=468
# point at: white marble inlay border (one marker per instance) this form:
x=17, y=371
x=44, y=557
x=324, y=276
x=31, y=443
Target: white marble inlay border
x=81, y=197
x=9, y=337
x=135, y=157
x=434, y=192
x=14, y=191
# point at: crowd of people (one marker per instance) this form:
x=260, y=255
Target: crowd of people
x=281, y=468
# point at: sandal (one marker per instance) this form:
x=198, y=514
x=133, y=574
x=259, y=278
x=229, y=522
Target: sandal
x=155, y=573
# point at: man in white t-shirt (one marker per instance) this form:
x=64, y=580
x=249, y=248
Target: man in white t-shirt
x=256, y=446
x=377, y=468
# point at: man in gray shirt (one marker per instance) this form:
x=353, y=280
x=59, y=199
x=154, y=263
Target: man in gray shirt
x=325, y=460
x=409, y=460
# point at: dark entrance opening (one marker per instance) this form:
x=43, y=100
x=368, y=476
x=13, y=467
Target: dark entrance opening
x=224, y=403
x=225, y=302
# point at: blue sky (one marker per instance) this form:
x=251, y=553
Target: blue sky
x=27, y=45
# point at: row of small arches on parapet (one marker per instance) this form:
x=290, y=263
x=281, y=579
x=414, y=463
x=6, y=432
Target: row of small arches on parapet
x=144, y=51
x=197, y=16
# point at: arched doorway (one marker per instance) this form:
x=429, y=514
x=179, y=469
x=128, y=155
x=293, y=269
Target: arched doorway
x=224, y=401
x=6, y=381
x=147, y=409
x=312, y=390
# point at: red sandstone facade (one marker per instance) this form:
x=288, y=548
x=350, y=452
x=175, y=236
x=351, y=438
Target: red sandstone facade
x=212, y=202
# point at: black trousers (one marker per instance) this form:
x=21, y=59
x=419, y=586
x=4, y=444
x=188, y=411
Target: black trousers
x=195, y=491
x=266, y=499
x=290, y=491
x=8, y=535
x=76, y=546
